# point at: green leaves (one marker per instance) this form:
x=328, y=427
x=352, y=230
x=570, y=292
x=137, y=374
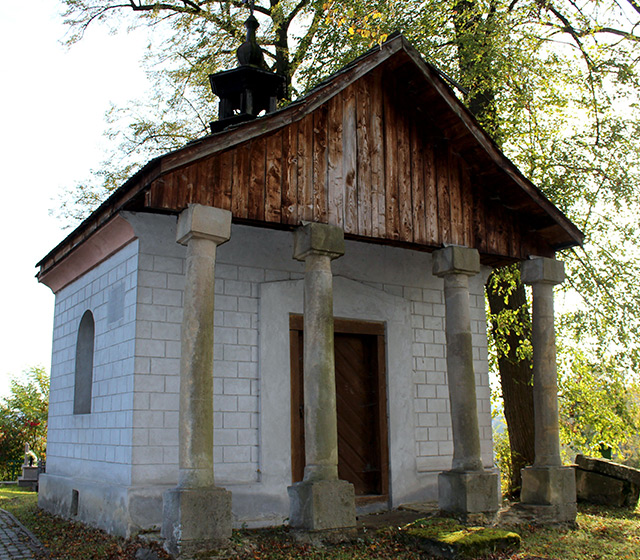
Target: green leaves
x=510, y=324
x=24, y=415
x=596, y=404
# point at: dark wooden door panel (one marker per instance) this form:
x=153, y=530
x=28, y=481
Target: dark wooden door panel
x=297, y=406
x=356, y=394
x=361, y=405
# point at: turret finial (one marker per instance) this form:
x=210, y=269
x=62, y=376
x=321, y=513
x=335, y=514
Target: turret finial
x=250, y=53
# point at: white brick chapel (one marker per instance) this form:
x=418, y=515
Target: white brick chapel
x=382, y=152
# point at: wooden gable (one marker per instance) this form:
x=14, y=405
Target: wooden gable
x=364, y=162
x=383, y=150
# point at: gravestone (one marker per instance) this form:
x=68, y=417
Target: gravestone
x=30, y=469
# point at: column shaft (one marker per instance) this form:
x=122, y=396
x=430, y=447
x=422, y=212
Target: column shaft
x=467, y=489
x=320, y=422
x=545, y=378
x=196, y=367
x=461, y=376
x=196, y=516
x=320, y=501
x=547, y=486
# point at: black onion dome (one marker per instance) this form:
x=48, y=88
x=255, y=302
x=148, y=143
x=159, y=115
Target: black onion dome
x=250, y=53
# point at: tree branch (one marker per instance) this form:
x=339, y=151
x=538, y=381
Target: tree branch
x=239, y=4
x=618, y=32
x=83, y=24
x=303, y=47
x=189, y=7
x=195, y=6
x=294, y=13
x=635, y=5
x=568, y=28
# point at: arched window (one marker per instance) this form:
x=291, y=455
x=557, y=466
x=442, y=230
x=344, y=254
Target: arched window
x=84, y=365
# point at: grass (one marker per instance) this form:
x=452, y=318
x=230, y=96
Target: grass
x=601, y=534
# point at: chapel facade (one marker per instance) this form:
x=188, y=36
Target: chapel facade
x=287, y=317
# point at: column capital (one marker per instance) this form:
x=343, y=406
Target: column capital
x=203, y=222
x=314, y=237
x=456, y=260
x=542, y=270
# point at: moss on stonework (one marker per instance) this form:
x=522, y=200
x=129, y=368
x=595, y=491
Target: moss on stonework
x=448, y=538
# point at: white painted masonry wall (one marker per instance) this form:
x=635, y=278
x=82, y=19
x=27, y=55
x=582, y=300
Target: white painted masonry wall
x=96, y=444
x=138, y=380
x=253, y=259
x=89, y=455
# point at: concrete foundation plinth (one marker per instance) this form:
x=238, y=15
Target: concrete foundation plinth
x=548, y=485
x=195, y=520
x=322, y=505
x=469, y=492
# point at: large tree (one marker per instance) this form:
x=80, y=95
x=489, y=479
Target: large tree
x=555, y=82
x=556, y=86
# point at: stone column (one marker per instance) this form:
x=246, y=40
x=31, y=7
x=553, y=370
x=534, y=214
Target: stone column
x=547, y=482
x=320, y=501
x=467, y=488
x=197, y=514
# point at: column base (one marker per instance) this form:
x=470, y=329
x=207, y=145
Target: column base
x=548, y=486
x=322, y=505
x=469, y=493
x=195, y=520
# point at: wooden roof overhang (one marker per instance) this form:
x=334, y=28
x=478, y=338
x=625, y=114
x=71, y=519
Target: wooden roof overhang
x=382, y=148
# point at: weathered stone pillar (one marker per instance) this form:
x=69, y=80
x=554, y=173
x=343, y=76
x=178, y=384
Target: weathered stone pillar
x=320, y=501
x=197, y=514
x=467, y=488
x=547, y=482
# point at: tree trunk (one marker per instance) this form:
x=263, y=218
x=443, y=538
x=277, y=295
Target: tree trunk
x=283, y=62
x=515, y=374
x=473, y=41
x=473, y=38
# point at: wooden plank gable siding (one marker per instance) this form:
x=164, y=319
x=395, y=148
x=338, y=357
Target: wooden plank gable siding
x=365, y=161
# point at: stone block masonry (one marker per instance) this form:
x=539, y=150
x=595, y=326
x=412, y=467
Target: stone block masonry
x=86, y=444
x=131, y=439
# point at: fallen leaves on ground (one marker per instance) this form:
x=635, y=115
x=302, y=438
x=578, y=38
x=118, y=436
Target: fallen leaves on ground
x=66, y=540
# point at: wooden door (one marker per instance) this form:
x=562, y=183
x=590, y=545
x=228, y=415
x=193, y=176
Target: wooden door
x=361, y=405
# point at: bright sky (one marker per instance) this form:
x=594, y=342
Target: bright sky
x=52, y=105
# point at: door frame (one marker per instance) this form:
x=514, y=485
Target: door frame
x=346, y=326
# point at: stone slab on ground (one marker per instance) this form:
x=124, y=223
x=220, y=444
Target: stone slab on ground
x=600, y=481
x=608, y=468
x=446, y=538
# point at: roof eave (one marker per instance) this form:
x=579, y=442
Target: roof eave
x=435, y=78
